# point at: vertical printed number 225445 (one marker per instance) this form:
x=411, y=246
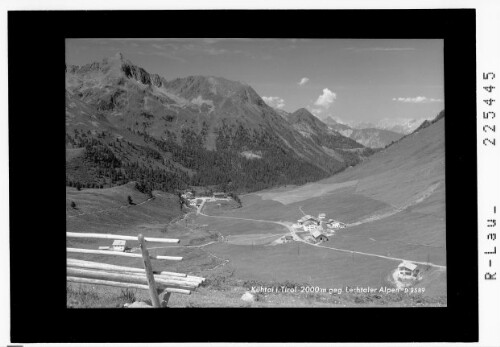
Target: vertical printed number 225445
x=488, y=116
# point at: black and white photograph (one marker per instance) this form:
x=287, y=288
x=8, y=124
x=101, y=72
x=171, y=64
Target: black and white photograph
x=258, y=174
x=240, y=172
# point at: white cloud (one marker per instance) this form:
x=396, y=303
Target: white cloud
x=274, y=101
x=417, y=100
x=326, y=99
x=379, y=49
x=303, y=81
x=341, y=121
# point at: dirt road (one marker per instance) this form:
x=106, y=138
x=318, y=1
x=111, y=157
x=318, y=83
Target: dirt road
x=297, y=238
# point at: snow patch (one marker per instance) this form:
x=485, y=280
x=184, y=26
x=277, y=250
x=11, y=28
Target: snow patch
x=199, y=101
x=180, y=101
x=304, y=133
x=252, y=155
x=304, y=129
x=346, y=132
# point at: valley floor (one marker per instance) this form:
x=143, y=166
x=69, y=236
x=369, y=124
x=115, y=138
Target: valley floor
x=217, y=238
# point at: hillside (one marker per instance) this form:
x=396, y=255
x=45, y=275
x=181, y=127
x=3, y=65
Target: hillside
x=129, y=124
x=406, y=168
x=315, y=131
x=427, y=123
x=108, y=210
x=393, y=204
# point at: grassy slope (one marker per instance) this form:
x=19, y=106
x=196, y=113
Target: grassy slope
x=398, y=172
x=391, y=178
x=402, y=171
x=107, y=211
x=224, y=290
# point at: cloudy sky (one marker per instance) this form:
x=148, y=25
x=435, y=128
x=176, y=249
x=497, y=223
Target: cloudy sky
x=352, y=80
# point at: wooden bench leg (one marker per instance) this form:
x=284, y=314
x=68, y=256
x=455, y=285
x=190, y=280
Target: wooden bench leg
x=155, y=300
x=166, y=297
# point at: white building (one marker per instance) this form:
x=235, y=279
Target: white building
x=407, y=270
x=333, y=224
x=308, y=226
x=119, y=245
x=309, y=219
x=304, y=219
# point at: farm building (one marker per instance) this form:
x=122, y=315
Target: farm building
x=309, y=225
x=308, y=218
x=318, y=236
x=288, y=238
x=187, y=195
x=333, y=224
x=220, y=195
x=119, y=245
x=303, y=219
x=407, y=270
x=321, y=216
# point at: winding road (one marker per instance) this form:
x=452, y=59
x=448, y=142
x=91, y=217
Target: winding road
x=297, y=238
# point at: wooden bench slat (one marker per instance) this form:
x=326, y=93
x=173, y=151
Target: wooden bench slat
x=104, y=266
x=127, y=277
x=121, y=254
x=119, y=237
x=122, y=284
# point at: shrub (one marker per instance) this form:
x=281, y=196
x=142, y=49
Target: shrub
x=81, y=297
x=220, y=280
x=73, y=205
x=127, y=295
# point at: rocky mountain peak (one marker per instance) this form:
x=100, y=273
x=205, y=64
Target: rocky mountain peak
x=303, y=115
x=303, y=112
x=213, y=88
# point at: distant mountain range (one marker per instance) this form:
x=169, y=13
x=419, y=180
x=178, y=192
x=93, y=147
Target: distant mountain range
x=124, y=124
x=369, y=137
x=398, y=125
x=375, y=135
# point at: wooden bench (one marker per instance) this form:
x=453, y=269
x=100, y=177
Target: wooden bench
x=157, y=283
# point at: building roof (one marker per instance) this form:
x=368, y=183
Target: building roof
x=119, y=242
x=408, y=265
x=316, y=233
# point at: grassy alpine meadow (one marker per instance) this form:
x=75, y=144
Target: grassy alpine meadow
x=265, y=192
